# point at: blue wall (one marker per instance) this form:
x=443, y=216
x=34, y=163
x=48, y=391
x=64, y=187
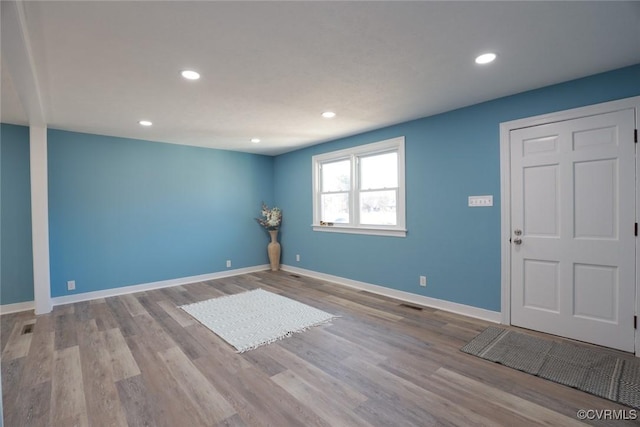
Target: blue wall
x=16, y=254
x=125, y=212
x=448, y=158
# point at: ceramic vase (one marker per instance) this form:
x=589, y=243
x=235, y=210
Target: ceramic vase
x=273, y=249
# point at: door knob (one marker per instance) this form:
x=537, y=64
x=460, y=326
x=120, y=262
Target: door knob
x=517, y=241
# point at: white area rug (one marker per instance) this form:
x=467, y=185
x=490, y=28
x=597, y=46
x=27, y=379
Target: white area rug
x=251, y=319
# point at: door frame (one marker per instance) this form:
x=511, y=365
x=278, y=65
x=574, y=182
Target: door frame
x=505, y=191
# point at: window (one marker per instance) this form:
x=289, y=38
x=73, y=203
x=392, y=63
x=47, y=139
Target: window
x=361, y=190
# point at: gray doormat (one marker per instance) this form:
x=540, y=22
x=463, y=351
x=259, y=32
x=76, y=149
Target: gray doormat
x=588, y=369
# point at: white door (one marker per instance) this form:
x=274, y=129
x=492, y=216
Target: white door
x=573, y=220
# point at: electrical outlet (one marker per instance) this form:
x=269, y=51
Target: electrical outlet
x=297, y=257
x=423, y=280
x=71, y=285
x=228, y=263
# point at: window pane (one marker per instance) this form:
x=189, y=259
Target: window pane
x=378, y=208
x=335, y=208
x=336, y=176
x=379, y=171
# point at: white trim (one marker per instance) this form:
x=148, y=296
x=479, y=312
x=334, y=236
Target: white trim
x=17, y=307
x=353, y=154
x=505, y=190
x=465, y=310
x=106, y=293
x=574, y=113
x=392, y=232
x=40, y=218
x=505, y=222
x=453, y=307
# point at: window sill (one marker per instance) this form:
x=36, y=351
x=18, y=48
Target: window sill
x=373, y=231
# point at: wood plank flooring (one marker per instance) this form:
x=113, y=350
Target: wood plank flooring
x=138, y=360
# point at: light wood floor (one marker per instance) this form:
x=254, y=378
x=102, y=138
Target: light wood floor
x=137, y=360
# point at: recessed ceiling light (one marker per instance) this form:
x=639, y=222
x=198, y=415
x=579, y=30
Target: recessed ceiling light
x=328, y=114
x=190, y=75
x=486, y=58
x=255, y=140
x=145, y=123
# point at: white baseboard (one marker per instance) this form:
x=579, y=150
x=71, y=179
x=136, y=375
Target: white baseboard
x=453, y=307
x=106, y=293
x=17, y=307
x=466, y=310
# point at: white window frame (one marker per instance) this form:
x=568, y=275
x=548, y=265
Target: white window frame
x=353, y=154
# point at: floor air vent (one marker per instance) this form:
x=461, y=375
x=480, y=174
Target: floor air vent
x=413, y=307
x=27, y=329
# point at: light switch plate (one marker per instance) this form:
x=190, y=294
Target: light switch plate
x=480, y=201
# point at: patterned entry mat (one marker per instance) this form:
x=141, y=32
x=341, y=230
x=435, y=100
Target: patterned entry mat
x=585, y=368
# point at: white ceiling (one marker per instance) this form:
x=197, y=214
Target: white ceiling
x=269, y=69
